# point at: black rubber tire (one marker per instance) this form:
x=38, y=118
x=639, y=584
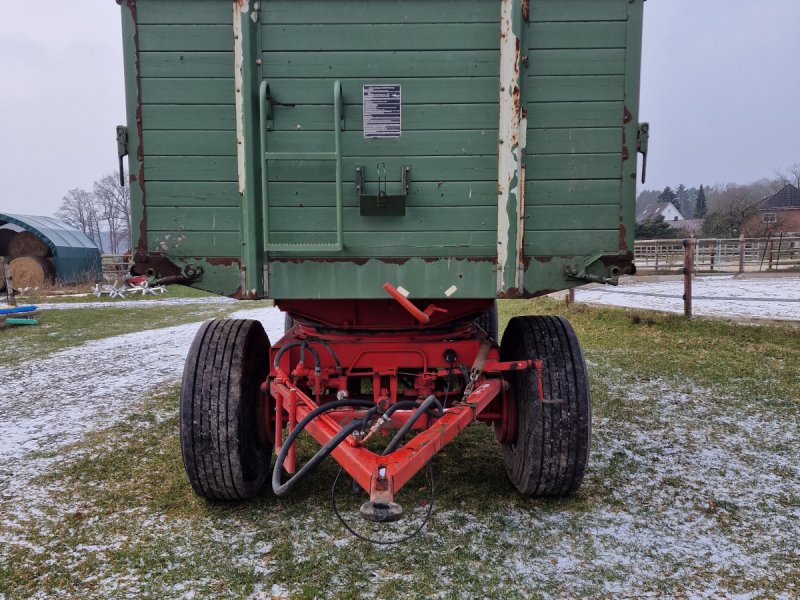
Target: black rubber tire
x=551, y=451
x=488, y=322
x=225, y=453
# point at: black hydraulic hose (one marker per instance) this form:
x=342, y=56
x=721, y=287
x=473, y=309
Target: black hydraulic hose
x=303, y=346
x=404, y=404
x=327, y=347
x=281, y=489
x=401, y=433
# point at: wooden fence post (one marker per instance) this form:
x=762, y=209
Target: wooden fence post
x=741, y=253
x=570, y=298
x=688, y=269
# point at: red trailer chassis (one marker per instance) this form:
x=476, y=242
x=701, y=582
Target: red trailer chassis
x=387, y=367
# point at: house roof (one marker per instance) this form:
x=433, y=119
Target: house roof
x=788, y=197
x=650, y=209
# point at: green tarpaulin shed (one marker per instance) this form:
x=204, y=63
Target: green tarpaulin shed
x=76, y=256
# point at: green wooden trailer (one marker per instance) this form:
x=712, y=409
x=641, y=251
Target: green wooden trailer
x=383, y=170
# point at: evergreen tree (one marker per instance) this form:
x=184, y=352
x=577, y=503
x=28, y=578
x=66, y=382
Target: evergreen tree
x=667, y=195
x=681, y=201
x=651, y=229
x=700, y=208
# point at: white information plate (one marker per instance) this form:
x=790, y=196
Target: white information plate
x=382, y=111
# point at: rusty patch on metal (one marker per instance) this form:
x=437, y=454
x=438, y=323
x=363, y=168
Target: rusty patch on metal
x=625, y=154
x=627, y=116
x=221, y=261
x=145, y=263
x=543, y=259
x=623, y=231
x=526, y=10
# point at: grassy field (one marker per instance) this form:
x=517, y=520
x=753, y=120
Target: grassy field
x=693, y=489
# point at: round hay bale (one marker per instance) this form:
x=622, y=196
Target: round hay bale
x=31, y=271
x=5, y=240
x=25, y=244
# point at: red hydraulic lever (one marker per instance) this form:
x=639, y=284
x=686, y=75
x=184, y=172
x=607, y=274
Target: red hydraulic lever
x=406, y=303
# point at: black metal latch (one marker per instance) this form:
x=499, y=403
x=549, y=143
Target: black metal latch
x=382, y=204
x=122, y=151
x=643, y=137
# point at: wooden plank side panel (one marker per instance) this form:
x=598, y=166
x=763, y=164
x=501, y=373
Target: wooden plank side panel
x=188, y=91
x=443, y=194
x=567, y=192
x=413, y=144
x=377, y=12
x=190, y=143
x=193, y=193
x=388, y=64
x=195, y=117
x=590, y=88
x=186, y=64
x=577, y=62
x=585, y=217
x=572, y=167
x=416, y=117
x=439, y=90
x=574, y=141
x=577, y=34
x=560, y=115
x=313, y=37
x=578, y=10
x=183, y=242
x=417, y=218
x=571, y=243
x=184, y=12
x=199, y=218
x=186, y=38
x=410, y=243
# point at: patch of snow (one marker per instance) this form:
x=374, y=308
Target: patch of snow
x=720, y=296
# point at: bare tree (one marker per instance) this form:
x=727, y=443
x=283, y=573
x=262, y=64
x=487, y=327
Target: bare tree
x=790, y=176
x=114, y=206
x=79, y=209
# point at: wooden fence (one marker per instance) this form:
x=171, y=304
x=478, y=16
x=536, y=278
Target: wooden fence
x=775, y=253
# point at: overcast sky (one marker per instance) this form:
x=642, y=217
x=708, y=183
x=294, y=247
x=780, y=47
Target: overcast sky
x=720, y=88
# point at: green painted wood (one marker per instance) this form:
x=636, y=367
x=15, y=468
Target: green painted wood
x=432, y=193
x=186, y=38
x=378, y=38
x=412, y=143
x=577, y=62
x=188, y=91
x=191, y=168
x=574, y=141
x=417, y=218
x=578, y=10
x=388, y=64
x=193, y=193
x=446, y=243
x=138, y=216
x=191, y=143
x=416, y=117
x=577, y=34
x=381, y=11
x=194, y=243
x=167, y=117
x=439, y=90
x=574, y=114
x=572, y=243
x=199, y=218
x=567, y=192
x=423, y=278
x=186, y=64
x=588, y=88
x=184, y=12
x=578, y=166
x=575, y=217
x=458, y=168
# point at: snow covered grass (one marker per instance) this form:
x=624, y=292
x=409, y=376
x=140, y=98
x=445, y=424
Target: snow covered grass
x=693, y=490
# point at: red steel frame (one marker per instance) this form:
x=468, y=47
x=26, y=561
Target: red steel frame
x=297, y=389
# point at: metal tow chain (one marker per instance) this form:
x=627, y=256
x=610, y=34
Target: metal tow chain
x=476, y=371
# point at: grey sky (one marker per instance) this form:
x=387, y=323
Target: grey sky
x=720, y=87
